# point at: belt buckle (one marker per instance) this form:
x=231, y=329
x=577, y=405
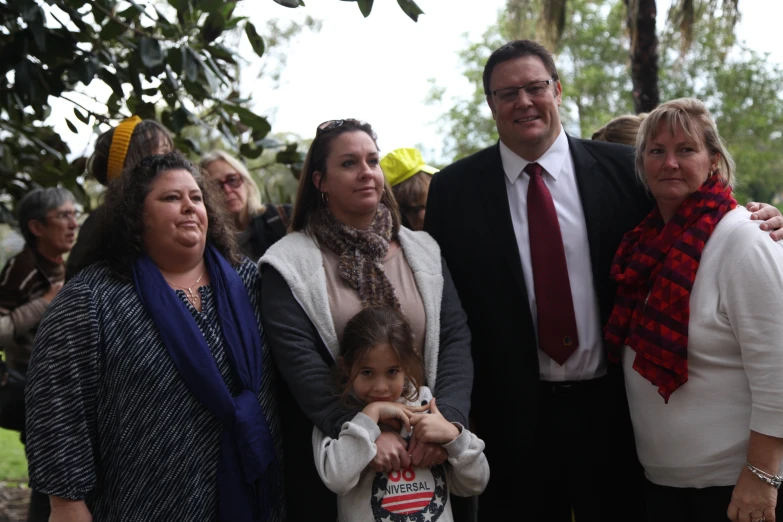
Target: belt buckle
x=560, y=388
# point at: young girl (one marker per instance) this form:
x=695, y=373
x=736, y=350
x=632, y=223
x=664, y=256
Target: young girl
x=381, y=370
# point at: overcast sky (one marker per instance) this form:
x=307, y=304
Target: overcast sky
x=377, y=69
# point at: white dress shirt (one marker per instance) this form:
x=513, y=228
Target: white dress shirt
x=588, y=361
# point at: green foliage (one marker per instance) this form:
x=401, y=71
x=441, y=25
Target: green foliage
x=591, y=65
x=13, y=464
x=176, y=61
x=410, y=8
x=467, y=126
x=742, y=89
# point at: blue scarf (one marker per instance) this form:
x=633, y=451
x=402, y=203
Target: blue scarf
x=247, y=466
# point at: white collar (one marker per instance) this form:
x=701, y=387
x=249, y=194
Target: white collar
x=552, y=160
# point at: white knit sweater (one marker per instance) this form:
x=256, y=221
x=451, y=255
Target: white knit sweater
x=735, y=365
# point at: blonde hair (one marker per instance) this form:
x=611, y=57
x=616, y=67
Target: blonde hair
x=622, y=129
x=253, y=204
x=695, y=120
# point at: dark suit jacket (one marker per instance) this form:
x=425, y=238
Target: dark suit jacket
x=468, y=214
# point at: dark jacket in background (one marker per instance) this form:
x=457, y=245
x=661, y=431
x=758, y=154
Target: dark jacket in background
x=25, y=278
x=265, y=230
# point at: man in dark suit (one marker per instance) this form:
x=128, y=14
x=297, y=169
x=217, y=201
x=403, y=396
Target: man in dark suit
x=529, y=228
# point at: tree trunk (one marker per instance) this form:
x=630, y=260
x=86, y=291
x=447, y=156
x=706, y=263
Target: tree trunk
x=644, y=54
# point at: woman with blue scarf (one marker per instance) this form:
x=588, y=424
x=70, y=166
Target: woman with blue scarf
x=151, y=393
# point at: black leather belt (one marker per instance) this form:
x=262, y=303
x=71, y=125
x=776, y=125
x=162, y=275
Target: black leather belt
x=570, y=387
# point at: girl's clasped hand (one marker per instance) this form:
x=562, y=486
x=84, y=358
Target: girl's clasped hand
x=425, y=423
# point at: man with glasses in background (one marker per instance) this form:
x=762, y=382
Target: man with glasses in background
x=532, y=272
x=28, y=283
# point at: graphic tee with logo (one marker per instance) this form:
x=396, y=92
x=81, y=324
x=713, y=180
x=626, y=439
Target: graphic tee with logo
x=411, y=494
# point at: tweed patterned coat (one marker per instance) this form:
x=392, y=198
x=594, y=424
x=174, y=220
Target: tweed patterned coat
x=109, y=419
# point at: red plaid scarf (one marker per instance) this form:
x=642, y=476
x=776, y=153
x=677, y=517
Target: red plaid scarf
x=655, y=267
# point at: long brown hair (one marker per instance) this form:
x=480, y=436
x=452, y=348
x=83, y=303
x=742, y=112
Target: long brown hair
x=308, y=197
x=122, y=233
x=374, y=326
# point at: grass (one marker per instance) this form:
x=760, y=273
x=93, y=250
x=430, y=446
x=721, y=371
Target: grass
x=13, y=464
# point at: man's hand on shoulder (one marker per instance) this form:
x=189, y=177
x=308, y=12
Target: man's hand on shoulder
x=771, y=217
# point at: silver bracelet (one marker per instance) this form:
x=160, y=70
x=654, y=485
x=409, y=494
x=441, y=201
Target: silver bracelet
x=773, y=480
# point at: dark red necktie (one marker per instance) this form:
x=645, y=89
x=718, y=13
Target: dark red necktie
x=557, y=333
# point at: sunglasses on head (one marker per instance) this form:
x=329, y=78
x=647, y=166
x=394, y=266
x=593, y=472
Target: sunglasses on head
x=329, y=125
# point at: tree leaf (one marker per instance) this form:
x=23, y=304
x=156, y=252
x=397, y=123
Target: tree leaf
x=259, y=124
x=219, y=52
x=269, y=143
x=288, y=156
x=410, y=8
x=111, y=30
x=110, y=79
x=81, y=116
x=84, y=70
x=186, y=144
x=71, y=126
x=179, y=119
x=228, y=9
x=39, y=35
x=191, y=64
x=213, y=27
x=209, y=6
x=365, y=6
x=175, y=59
x=289, y=3
x=255, y=39
x=145, y=111
x=234, y=21
x=151, y=52
x=249, y=150
x=192, y=145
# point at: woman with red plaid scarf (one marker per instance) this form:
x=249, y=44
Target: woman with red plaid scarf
x=697, y=327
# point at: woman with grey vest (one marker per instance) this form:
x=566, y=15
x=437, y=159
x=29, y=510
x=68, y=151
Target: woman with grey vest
x=347, y=251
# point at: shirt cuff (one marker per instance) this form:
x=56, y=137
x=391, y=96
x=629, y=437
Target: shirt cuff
x=456, y=447
x=367, y=424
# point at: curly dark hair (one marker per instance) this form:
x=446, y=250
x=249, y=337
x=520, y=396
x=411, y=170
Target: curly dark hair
x=122, y=234
x=366, y=330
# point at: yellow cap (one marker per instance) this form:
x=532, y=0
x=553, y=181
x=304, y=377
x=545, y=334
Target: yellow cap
x=401, y=164
x=119, y=146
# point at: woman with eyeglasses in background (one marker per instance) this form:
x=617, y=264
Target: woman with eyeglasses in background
x=346, y=252
x=259, y=225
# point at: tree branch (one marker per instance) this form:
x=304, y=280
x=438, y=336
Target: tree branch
x=125, y=25
x=100, y=117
